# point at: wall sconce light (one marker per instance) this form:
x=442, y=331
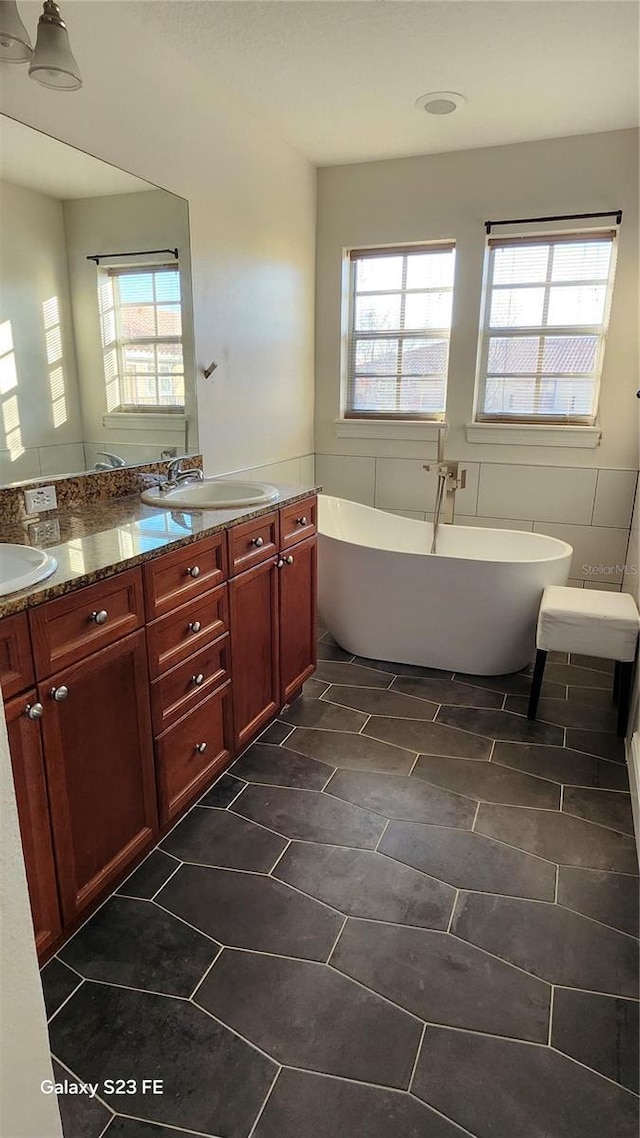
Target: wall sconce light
x=52, y=63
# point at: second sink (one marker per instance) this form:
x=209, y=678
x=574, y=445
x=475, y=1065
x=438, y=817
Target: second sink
x=211, y=494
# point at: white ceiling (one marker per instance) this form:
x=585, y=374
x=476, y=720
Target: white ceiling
x=339, y=79
x=32, y=159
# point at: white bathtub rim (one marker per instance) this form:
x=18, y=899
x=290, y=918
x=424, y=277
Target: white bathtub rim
x=564, y=549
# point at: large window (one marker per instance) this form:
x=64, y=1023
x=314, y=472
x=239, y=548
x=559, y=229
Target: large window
x=545, y=313
x=142, y=338
x=398, y=336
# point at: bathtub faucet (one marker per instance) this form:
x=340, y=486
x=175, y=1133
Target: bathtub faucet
x=450, y=479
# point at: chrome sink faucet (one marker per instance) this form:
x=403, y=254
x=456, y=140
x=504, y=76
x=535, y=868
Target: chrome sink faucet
x=176, y=476
x=450, y=479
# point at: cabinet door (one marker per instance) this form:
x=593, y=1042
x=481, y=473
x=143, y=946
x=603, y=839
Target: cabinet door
x=298, y=621
x=253, y=603
x=99, y=762
x=27, y=762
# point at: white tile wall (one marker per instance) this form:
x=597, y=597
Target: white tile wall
x=591, y=509
x=26, y=465
x=415, y=515
x=63, y=459
x=494, y=523
x=347, y=476
x=403, y=484
x=541, y=493
x=615, y=491
x=308, y=468
x=599, y=552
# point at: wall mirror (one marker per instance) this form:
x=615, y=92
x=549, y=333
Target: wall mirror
x=96, y=313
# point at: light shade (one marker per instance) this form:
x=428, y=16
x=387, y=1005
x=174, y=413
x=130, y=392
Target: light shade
x=53, y=64
x=15, y=45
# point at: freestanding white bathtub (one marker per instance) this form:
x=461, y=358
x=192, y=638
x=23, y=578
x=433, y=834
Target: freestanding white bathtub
x=470, y=607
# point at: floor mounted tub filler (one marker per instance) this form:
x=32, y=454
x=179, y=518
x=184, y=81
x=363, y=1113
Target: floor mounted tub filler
x=470, y=607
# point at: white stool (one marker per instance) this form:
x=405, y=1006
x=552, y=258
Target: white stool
x=593, y=623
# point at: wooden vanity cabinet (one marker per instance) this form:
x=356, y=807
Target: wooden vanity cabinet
x=298, y=616
x=149, y=684
x=254, y=619
x=100, y=770
x=272, y=618
x=27, y=763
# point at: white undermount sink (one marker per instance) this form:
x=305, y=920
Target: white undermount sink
x=21, y=566
x=211, y=494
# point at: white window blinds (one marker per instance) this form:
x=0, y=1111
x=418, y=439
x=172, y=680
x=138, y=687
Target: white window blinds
x=141, y=320
x=545, y=313
x=398, y=336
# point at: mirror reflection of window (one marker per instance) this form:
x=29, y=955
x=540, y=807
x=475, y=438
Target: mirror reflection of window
x=141, y=321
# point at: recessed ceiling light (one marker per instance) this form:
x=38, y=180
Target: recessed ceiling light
x=441, y=102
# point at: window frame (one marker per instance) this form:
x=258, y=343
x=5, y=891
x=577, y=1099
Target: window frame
x=485, y=419
x=114, y=273
x=350, y=336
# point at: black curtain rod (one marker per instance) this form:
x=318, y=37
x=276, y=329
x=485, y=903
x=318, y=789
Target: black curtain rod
x=98, y=257
x=617, y=213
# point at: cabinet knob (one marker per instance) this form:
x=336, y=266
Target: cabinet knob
x=59, y=694
x=34, y=711
x=194, y=626
x=280, y=563
x=201, y=748
x=99, y=617
x=194, y=571
x=197, y=680
x=289, y=559
x=302, y=521
x=257, y=541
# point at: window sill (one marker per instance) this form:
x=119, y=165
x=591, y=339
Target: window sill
x=389, y=429
x=534, y=434
x=144, y=421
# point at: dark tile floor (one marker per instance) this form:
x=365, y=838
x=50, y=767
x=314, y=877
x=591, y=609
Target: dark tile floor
x=405, y=912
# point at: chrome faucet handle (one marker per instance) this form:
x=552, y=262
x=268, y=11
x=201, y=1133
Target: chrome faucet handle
x=174, y=467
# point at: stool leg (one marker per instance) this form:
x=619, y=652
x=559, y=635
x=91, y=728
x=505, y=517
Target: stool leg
x=536, y=683
x=626, y=676
x=616, y=681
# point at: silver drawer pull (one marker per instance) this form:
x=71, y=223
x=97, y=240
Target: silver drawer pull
x=197, y=680
x=302, y=521
x=34, y=711
x=194, y=571
x=257, y=541
x=201, y=748
x=289, y=559
x=194, y=626
x=280, y=563
x=99, y=617
x=59, y=694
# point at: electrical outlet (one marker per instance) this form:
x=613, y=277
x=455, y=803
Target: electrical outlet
x=46, y=532
x=41, y=498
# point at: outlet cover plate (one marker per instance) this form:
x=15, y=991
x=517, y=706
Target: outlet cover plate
x=39, y=499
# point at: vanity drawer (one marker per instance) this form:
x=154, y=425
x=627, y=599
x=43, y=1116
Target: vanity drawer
x=16, y=665
x=173, y=578
x=298, y=521
x=72, y=627
x=180, y=689
x=191, y=752
x=192, y=626
x=252, y=542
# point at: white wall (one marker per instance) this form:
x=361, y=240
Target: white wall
x=252, y=211
x=584, y=496
x=115, y=223
x=42, y=431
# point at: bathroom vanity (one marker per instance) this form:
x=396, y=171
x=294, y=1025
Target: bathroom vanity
x=128, y=690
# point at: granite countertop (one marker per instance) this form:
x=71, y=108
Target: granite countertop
x=96, y=540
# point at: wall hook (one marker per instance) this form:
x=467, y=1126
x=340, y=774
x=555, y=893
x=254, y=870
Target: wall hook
x=207, y=371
